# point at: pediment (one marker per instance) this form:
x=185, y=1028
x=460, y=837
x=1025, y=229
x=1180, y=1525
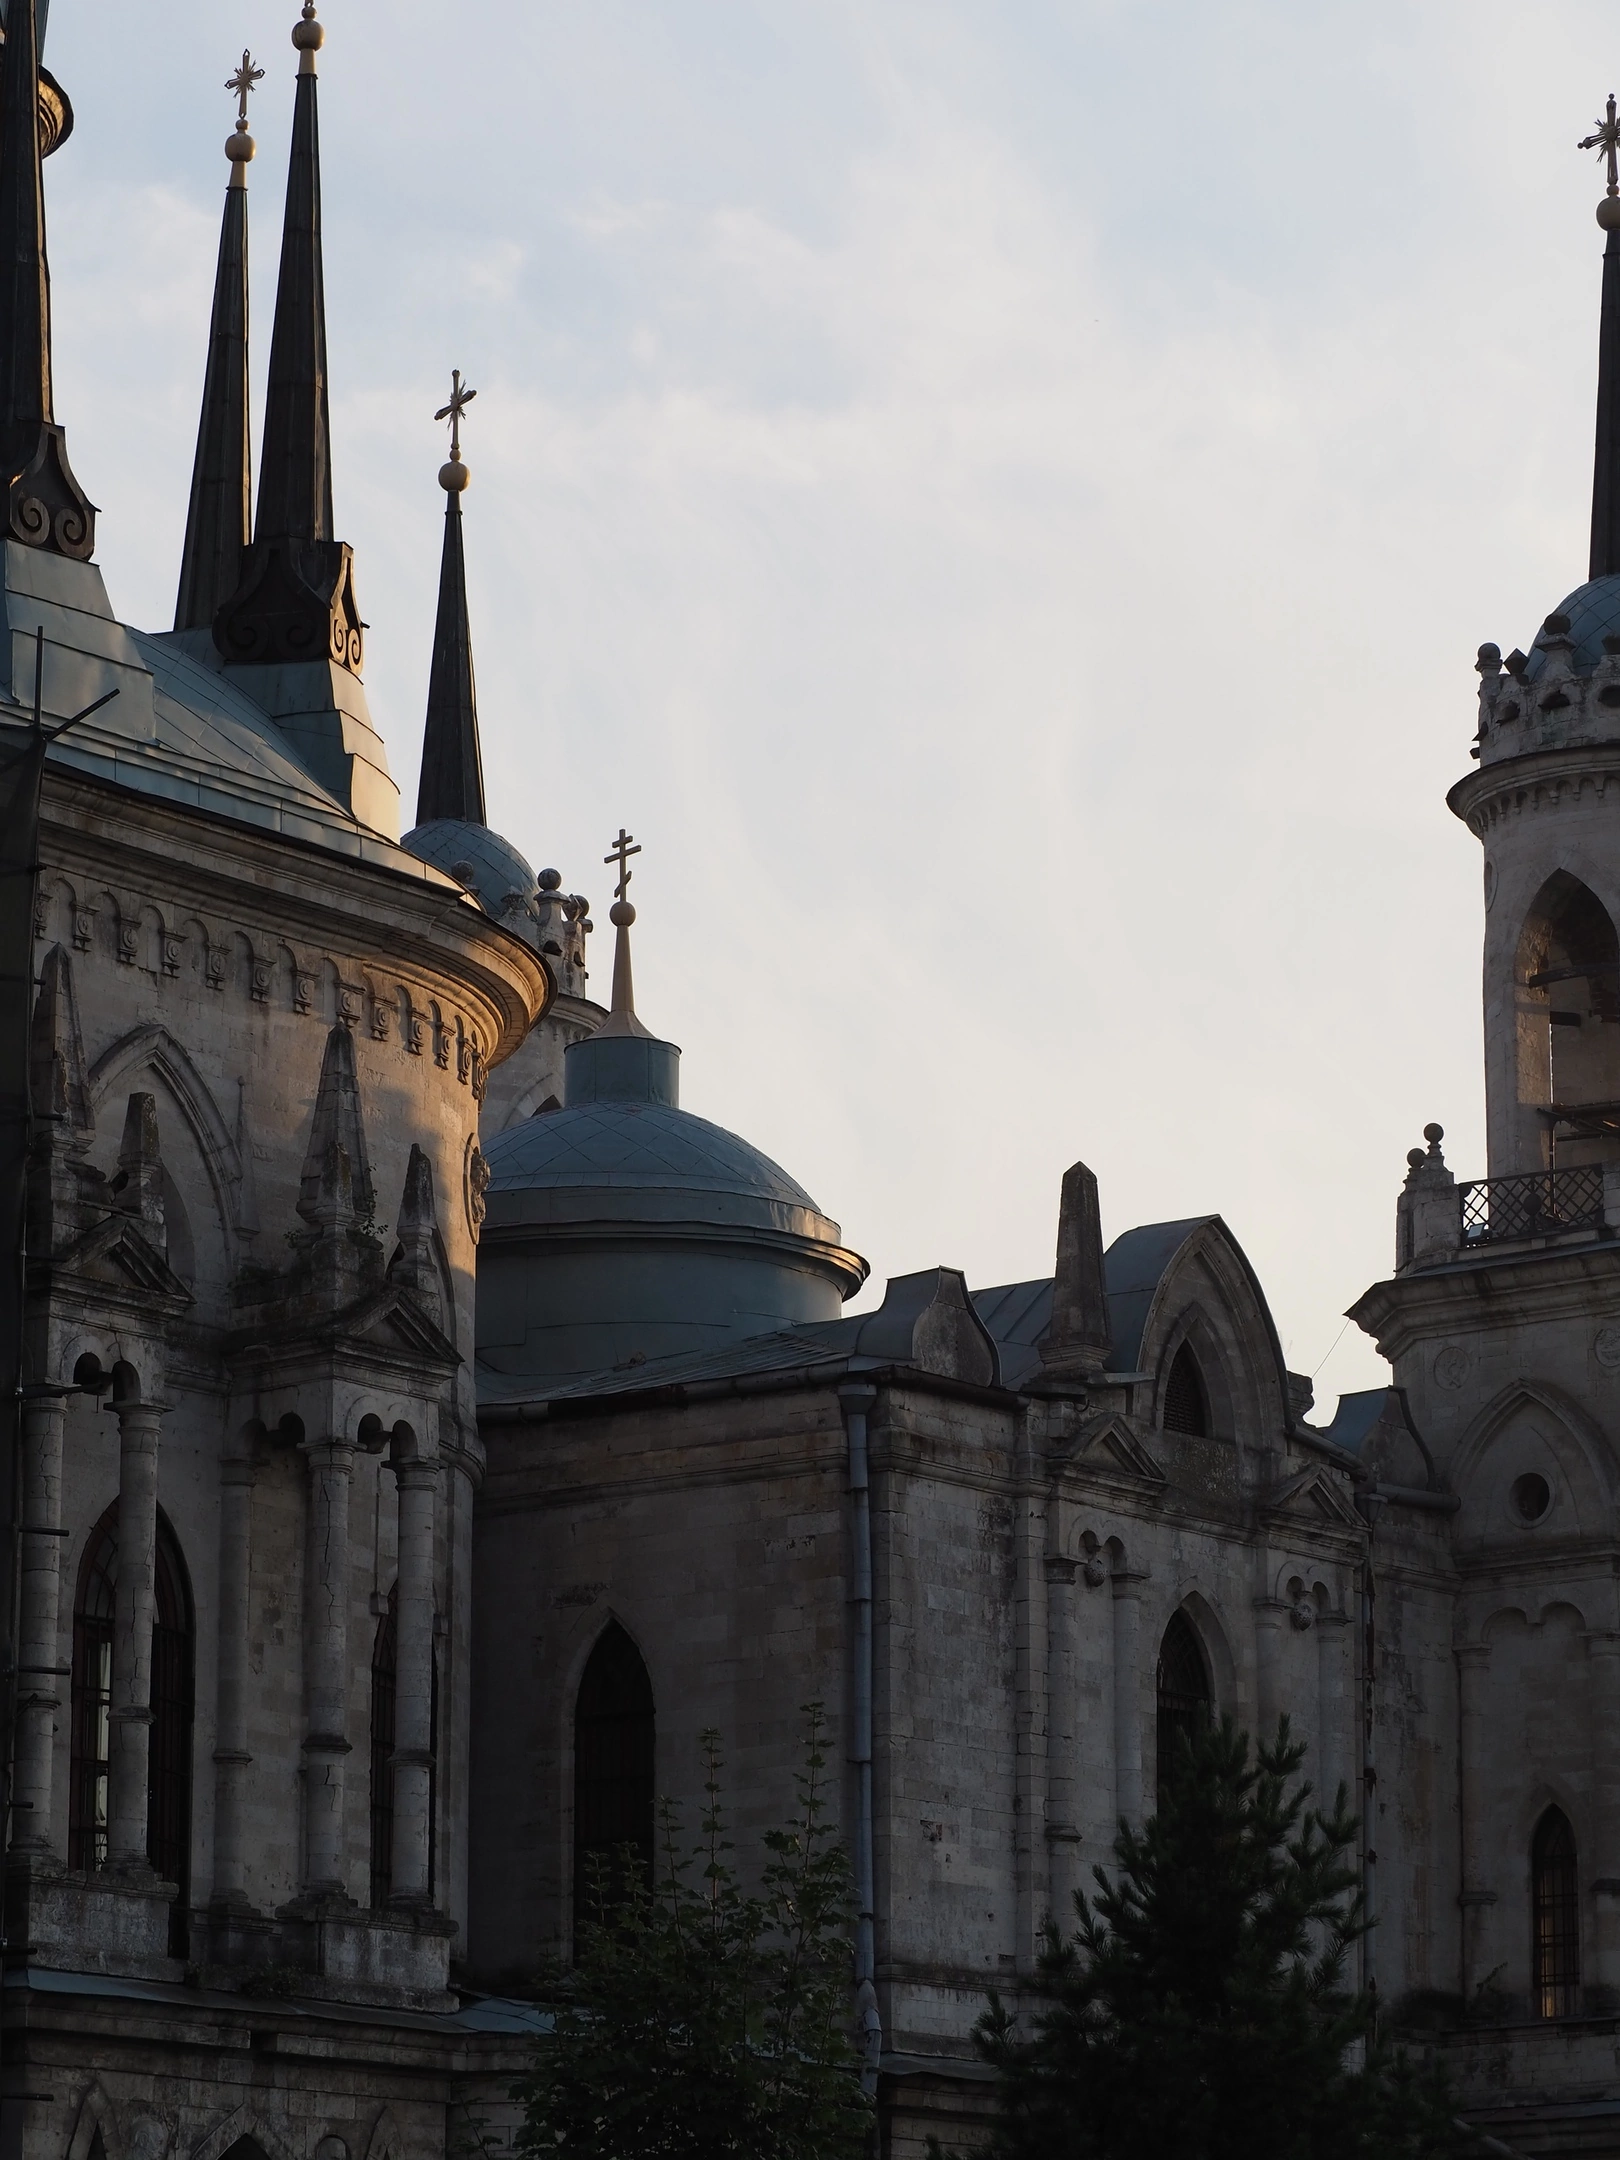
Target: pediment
x=1108, y=1442
x=390, y=1321
x=1317, y=1496
x=117, y=1250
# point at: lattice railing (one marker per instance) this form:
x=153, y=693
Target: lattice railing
x=1539, y=1205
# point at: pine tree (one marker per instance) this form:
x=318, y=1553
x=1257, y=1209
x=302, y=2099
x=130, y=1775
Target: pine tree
x=1201, y=2007
x=700, y=2023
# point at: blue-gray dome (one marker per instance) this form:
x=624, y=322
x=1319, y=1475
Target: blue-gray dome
x=1593, y=610
x=620, y=1229
x=478, y=857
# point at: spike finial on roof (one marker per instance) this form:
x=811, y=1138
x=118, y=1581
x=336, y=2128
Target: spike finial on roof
x=46, y=507
x=1076, y=1344
x=452, y=782
x=621, y=1019
x=219, y=518
x=1605, y=554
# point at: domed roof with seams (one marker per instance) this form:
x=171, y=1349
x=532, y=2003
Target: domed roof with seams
x=1593, y=610
x=457, y=847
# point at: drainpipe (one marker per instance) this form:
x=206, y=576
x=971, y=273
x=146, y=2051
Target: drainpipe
x=855, y=1402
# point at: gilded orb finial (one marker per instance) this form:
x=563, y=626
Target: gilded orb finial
x=1606, y=142
x=240, y=147
x=454, y=476
x=309, y=37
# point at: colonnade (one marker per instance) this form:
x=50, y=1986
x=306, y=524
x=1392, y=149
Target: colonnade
x=326, y=1746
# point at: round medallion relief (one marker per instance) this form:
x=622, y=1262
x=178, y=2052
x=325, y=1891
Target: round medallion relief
x=1451, y=1367
x=1606, y=1348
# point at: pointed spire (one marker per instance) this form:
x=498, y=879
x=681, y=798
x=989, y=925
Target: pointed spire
x=59, y=1081
x=415, y=1264
x=452, y=783
x=1605, y=555
x=295, y=470
x=218, y=523
x=295, y=600
x=1077, y=1342
x=46, y=507
x=621, y=1019
x=337, y=1130
x=138, y=1187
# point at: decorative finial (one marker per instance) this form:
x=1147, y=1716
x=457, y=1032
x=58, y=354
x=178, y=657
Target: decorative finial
x=1606, y=142
x=241, y=146
x=308, y=37
x=622, y=915
x=454, y=476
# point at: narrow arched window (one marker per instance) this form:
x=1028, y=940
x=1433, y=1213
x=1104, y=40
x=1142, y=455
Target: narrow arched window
x=168, y=1816
x=1555, y=1916
x=1186, y=1400
x=1183, y=1694
x=384, y=1685
x=613, y=1767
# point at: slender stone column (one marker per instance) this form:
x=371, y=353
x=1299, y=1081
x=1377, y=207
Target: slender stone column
x=416, y=1471
x=1603, y=1868
x=1336, y=1745
x=1477, y=1897
x=326, y=1665
x=1062, y=1745
x=1270, y=1614
x=40, y=1671
x=138, y=1427
x=1128, y=1696
x=232, y=1760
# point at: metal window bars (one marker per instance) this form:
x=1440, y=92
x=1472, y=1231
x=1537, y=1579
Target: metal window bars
x=1544, y=1203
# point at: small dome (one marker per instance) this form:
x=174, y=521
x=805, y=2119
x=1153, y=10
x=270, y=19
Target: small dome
x=1593, y=610
x=480, y=858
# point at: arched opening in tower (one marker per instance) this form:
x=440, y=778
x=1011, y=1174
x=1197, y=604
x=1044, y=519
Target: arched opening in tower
x=1569, y=1032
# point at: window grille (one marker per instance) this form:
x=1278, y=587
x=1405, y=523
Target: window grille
x=613, y=1768
x=1183, y=1692
x=1556, y=1917
x=1186, y=1406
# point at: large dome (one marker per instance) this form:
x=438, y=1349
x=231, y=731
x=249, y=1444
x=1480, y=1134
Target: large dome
x=475, y=856
x=1593, y=611
x=621, y=1228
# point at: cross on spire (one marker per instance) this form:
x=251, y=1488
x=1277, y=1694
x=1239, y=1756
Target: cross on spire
x=243, y=82
x=623, y=848
x=1606, y=142
x=460, y=399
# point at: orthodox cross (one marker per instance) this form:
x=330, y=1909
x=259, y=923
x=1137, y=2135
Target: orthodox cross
x=246, y=76
x=1606, y=142
x=623, y=848
x=459, y=401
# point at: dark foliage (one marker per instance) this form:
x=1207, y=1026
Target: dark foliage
x=1201, y=2007
x=702, y=2024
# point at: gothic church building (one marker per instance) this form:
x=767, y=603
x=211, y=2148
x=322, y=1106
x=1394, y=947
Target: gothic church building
x=429, y=1425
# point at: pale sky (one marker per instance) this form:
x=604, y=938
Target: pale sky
x=1001, y=499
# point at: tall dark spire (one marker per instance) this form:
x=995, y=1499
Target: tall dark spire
x=1605, y=559
x=295, y=470
x=46, y=507
x=296, y=597
x=452, y=783
x=218, y=522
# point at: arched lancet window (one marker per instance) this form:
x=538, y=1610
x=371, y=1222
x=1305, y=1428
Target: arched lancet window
x=168, y=1819
x=613, y=1762
x=1555, y=1917
x=1186, y=1400
x=1569, y=967
x=384, y=1682
x=1183, y=1692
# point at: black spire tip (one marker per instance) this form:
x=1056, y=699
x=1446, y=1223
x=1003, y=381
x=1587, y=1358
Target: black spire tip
x=1605, y=560
x=45, y=506
x=218, y=522
x=452, y=783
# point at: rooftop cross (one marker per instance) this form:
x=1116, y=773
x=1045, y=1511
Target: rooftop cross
x=623, y=848
x=1606, y=142
x=242, y=82
x=460, y=399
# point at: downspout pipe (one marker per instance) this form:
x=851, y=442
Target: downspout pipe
x=855, y=1403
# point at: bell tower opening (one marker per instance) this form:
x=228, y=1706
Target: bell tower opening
x=1568, y=973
